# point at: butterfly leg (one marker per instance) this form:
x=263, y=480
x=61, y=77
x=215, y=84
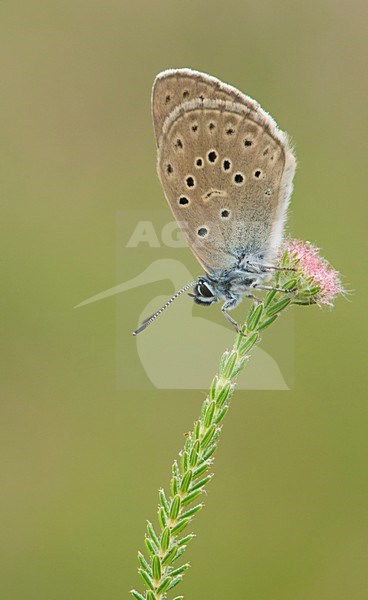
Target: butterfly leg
x=229, y=304
x=274, y=289
x=269, y=267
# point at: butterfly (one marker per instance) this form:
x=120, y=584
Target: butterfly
x=227, y=173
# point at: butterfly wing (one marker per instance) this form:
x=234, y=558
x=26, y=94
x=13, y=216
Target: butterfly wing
x=225, y=167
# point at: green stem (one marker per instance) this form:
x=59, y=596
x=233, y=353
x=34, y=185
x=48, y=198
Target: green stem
x=191, y=472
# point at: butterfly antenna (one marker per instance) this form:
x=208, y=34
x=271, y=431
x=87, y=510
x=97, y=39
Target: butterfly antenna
x=153, y=317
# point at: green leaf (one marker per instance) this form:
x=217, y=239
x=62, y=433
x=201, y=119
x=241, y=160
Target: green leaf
x=184, y=462
x=209, y=414
x=248, y=343
x=152, y=534
x=144, y=564
x=137, y=595
x=269, y=297
x=193, y=457
x=221, y=414
x=175, y=507
x=164, y=502
x=208, y=436
x=240, y=365
x=201, y=469
x=190, y=497
x=186, y=539
x=150, y=546
x=164, y=585
x=180, y=526
x=197, y=430
x=180, y=551
x=253, y=321
x=230, y=364
x=267, y=322
x=192, y=511
x=169, y=556
x=174, y=486
x=208, y=453
x=179, y=570
x=175, y=582
x=165, y=539
x=224, y=394
x=156, y=568
x=150, y=595
x=186, y=481
x=223, y=360
x=146, y=579
x=278, y=307
x=201, y=483
x=213, y=388
x=290, y=285
x=162, y=517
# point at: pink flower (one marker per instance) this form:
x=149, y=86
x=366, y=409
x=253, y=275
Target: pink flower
x=314, y=271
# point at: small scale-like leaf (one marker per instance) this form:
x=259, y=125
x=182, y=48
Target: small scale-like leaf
x=213, y=388
x=269, y=297
x=185, y=540
x=208, y=453
x=201, y=483
x=174, y=508
x=201, y=469
x=208, y=436
x=169, y=556
x=193, y=457
x=164, y=585
x=248, y=343
x=267, y=322
x=152, y=534
x=253, y=321
x=146, y=579
x=144, y=564
x=184, y=462
x=186, y=481
x=180, y=526
x=290, y=285
x=179, y=570
x=192, y=511
x=137, y=595
x=221, y=414
x=223, y=360
x=162, y=517
x=165, y=539
x=197, y=430
x=156, y=568
x=150, y=546
x=174, y=486
x=190, y=497
x=164, y=502
x=278, y=307
x=174, y=582
x=209, y=414
x=224, y=394
x=230, y=364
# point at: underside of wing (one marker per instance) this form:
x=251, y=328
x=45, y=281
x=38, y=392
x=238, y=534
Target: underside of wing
x=225, y=167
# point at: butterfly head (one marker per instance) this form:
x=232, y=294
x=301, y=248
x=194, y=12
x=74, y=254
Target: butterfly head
x=204, y=292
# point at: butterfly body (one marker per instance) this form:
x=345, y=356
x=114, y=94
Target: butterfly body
x=226, y=170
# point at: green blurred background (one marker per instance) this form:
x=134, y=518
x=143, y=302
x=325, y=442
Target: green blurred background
x=286, y=514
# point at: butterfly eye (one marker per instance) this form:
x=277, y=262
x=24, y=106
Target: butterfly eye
x=204, y=290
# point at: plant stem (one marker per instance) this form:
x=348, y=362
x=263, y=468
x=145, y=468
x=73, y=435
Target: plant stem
x=190, y=473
